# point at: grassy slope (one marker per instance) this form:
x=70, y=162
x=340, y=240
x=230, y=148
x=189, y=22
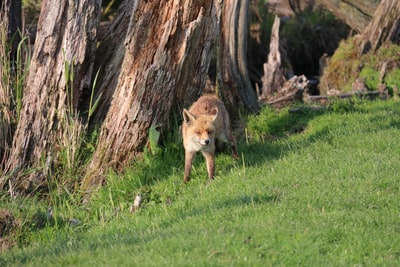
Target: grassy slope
x=328, y=196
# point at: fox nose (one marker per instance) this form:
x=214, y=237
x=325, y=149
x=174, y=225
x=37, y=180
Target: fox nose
x=206, y=142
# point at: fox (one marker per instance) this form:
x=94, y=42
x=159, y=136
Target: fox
x=205, y=126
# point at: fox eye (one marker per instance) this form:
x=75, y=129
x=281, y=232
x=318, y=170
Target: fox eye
x=210, y=132
x=197, y=132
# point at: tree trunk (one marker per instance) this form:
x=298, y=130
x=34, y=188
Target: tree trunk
x=232, y=73
x=167, y=53
x=384, y=27
x=355, y=13
x=109, y=57
x=66, y=36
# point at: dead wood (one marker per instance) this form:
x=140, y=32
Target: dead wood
x=291, y=92
x=355, y=13
x=273, y=78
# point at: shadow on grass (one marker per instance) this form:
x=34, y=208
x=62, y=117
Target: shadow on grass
x=272, y=129
x=244, y=200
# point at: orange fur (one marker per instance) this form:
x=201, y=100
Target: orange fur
x=204, y=124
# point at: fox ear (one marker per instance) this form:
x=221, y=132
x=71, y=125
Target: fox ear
x=214, y=112
x=187, y=116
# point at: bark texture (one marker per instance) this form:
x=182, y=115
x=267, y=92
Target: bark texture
x=384, y=27
x=355, y=13
x=109, y=57
x=234, y=78
x=167, y=53
x=66, y=33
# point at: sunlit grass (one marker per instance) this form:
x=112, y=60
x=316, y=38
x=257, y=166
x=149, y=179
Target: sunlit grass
x=325, y=196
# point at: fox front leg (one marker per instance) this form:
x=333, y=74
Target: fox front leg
x=189, y=157
x=210, y=161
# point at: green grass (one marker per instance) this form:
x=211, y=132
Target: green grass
x=323, y=191
x=370, y=77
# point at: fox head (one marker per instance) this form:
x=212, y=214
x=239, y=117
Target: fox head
x=199, y=130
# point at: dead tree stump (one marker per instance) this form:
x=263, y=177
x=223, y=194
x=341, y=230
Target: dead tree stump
x=273, y=78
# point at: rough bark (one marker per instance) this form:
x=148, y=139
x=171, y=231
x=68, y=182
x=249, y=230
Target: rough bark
x=355, y=13
x=384, y=27
x=167, y=53
x=233, y=77
x=66, y=33
x=109, y=57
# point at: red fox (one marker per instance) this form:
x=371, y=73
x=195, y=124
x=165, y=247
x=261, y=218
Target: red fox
x=205, y=126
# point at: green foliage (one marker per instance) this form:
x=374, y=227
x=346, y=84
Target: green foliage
x=154, y=138
x=343, y=106
x=22, y=64
x=13, y=74
x=370, y=77
x=342, y=68
x=345, y=51
x=392, y=79
x=328, y=196
x=389, y=53
x=73, y=129
x=266, y=22
x=77, y=142
x=31, y=9
x=93, y=103
x=345, y=65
